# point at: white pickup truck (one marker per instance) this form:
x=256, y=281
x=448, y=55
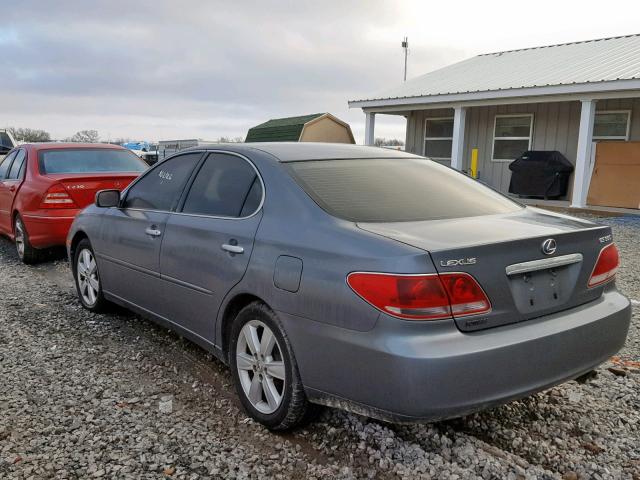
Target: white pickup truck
x=7, y=142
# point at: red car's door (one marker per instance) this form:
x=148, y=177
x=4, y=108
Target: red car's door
x=7, y=191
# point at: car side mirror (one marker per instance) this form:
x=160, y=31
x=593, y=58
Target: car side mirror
x=107, y=198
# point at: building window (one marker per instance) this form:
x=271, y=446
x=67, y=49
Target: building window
x=511, y=136
x=612, y=125
x=438, y=138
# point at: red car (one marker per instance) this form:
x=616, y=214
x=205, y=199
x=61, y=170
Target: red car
x=43, y=186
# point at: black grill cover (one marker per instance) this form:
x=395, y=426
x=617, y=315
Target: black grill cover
x=538, y=173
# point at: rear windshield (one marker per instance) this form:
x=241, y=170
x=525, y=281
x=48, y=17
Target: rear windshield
x=395, y=190
x=89, y=161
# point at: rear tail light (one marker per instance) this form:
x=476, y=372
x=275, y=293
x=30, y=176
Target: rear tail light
x=421, y=297
x=465, y=294
x=606, y=266
x=57, y=197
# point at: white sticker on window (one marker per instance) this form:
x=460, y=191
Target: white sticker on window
x=165, y=175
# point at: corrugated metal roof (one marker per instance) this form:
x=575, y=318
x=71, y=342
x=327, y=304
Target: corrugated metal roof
x=303, y=151
x=592, y=61
x=280, y=129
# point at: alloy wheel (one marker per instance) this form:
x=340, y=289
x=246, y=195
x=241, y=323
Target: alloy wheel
x=19, y=237
x=87, y=274
x=261, y=367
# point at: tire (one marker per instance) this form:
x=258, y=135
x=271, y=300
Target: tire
x=258, y=375
x=26, y=253
x=87, y=277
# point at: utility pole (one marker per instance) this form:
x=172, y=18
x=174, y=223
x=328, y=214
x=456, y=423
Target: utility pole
x=405, y=47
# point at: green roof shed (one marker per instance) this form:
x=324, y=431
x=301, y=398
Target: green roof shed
x=317, y=127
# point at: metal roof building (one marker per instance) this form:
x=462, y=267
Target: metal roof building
x=499, y=104
x=576, y=67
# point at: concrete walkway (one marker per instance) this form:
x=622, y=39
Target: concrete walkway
x=564, y=206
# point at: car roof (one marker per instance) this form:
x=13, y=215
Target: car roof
x=70, y=145
x=301, y=151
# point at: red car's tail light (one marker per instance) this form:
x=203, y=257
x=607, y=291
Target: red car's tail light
x=57, y=197
x=421, y=297
x=606, y=266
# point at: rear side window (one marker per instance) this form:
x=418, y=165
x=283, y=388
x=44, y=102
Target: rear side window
x=226, y=186
x=17, y=167
x=395, y=190
x=87, y=160
x=5, y=164
x=161, y=187
x=254, y=197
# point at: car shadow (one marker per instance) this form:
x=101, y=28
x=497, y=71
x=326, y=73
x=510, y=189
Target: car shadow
x=46, y=254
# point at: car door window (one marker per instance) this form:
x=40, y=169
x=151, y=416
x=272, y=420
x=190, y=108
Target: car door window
x=5, y=164
x=161, y=187
x=225, y=186
x=17, y=167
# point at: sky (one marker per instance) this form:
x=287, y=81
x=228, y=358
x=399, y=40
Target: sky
x=158, y=70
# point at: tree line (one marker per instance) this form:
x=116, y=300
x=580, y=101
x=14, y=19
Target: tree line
x=30, y=135
x=388, y=142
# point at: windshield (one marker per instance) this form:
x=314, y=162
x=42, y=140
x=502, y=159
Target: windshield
x=87, y=160
x=395, y=190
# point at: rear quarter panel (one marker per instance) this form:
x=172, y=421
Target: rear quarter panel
x=87, y=222
x=294, y=226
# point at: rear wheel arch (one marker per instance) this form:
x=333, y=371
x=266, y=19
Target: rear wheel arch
x=15, y=214
x=231, y=310
x=77, y=238
x=26, y=252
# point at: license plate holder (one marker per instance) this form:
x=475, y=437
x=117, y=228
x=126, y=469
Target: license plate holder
x=543, y=284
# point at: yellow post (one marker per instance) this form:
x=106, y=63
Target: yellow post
x=474, y=163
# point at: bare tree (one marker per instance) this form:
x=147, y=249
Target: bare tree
x=29, y=135
x=391, y=142
x=85, y=136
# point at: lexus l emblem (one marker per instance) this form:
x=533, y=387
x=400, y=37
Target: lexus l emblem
x=549, y=246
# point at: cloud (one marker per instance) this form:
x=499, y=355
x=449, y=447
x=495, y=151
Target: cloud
x=215, y=68
x=158, y=69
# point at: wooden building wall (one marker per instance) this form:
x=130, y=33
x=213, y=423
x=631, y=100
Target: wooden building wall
x=555, y=127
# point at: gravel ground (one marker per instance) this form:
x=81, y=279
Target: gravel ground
x=115, y=396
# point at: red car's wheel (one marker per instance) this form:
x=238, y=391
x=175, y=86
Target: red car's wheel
x=26, y=252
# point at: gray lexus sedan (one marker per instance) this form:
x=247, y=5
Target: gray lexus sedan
x=362, y=278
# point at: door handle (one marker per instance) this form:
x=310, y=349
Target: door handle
x=12, y=188
x=153, y=231
x=232, y=248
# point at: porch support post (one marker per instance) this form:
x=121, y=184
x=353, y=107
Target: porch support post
x=583, y=157
x=369, y=127
x=457, y=147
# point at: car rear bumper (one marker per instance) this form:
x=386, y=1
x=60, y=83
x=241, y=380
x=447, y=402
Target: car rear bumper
x=49, y=230
x=417, y=371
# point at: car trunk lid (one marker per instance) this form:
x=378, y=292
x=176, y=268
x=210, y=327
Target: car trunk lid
x=82, y=188
x=504, y=253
